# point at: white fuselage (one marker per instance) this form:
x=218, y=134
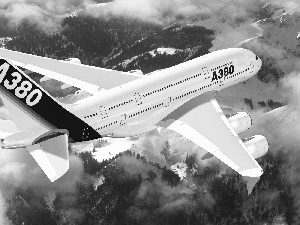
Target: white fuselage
x=136, y=107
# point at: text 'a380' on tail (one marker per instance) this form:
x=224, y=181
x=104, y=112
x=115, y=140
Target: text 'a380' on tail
x=36, y=116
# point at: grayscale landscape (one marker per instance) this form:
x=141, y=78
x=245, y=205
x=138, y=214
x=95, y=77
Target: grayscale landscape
x=159, y=178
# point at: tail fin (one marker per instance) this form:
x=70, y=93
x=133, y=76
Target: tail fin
x=30, y=105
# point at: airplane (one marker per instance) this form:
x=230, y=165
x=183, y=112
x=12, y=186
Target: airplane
x=181, y=98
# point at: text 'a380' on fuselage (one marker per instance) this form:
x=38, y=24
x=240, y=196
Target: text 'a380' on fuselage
x=134, y=108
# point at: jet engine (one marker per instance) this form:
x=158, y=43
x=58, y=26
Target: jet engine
x=256, y=145
x=240, y=121
x=49, y=149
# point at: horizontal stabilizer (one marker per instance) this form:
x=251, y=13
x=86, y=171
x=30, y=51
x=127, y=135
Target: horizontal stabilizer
x=52, y=156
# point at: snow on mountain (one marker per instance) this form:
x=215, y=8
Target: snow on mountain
x=180, y=169
x=115, y=147
x=91, y=9
x=98, y=5
x=3, y=40
x=157, y=51
x=227, y=36
x=168, y=51
x=127, y=61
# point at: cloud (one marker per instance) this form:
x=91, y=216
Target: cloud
x=289, y=127
x=284, y=127
x=3, y=218
x=42, y=14
x=19, y=173
x=47, y=15
x=289, y=5
x=166, y=11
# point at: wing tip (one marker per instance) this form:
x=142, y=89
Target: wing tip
x=251, y=176
x=255, y=172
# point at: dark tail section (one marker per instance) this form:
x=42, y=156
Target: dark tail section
x=22, y=93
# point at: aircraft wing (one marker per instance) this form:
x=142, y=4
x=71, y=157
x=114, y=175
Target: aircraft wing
x=88, y=78
x=202, y=121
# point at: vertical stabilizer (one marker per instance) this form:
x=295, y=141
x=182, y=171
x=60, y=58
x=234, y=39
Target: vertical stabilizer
x=30, y=105
x=21, y=119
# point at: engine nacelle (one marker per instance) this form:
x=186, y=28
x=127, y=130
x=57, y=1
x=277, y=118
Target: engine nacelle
x=256, y=145
x=240, y=122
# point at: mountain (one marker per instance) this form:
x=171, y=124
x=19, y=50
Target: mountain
x=94, y=43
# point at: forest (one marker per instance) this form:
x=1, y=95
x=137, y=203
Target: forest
x=107, y=42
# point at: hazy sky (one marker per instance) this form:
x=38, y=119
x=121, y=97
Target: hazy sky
x=45, y=14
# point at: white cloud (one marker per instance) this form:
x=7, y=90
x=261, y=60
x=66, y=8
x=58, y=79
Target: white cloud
x=43, y=14
x=162, y=11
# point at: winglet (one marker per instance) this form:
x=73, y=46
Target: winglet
x=251, y=181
